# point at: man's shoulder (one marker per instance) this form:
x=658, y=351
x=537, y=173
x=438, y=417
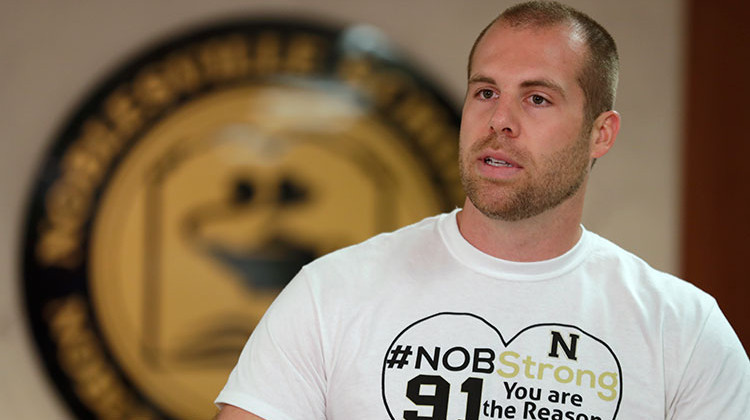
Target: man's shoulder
x=388, y=246
x=642, y=279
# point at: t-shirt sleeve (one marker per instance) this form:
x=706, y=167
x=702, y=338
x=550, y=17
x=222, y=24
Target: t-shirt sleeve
x=280, y=372
x=716, y=379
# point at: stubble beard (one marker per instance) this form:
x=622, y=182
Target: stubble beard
x=563, y=174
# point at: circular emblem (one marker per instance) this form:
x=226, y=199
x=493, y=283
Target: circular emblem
x=196, y=181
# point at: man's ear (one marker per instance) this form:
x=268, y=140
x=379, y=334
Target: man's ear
x=603, y=133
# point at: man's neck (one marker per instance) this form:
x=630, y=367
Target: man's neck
x=538, y=238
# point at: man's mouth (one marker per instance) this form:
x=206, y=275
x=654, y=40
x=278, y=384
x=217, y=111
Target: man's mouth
x=497, y=162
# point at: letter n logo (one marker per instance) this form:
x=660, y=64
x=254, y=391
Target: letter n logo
x=569, y=349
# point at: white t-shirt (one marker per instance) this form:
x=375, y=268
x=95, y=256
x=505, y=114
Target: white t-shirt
x=418, y=324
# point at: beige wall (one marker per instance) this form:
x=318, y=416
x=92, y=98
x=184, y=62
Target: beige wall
x=52, y=53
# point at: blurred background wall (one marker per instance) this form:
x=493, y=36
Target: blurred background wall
x=53, y=53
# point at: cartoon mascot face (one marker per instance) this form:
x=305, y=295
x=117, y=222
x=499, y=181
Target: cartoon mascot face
x=220, y=204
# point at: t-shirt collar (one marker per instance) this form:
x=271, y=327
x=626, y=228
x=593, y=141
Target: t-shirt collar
x=486, y=264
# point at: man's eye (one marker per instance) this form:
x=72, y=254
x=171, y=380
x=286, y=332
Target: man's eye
x=486, y=94
x=538, y=100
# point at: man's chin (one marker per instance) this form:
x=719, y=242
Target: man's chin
x=500, y=209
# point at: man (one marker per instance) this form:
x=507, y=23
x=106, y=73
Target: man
x=506, y=308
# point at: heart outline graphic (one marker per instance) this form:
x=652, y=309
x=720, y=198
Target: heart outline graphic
x=505, y=344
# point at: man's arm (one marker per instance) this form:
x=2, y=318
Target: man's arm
x=715, y=384
x=230, y=412
x=286, y=346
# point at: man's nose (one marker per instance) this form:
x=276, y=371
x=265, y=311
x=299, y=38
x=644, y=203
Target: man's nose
x=504, y=118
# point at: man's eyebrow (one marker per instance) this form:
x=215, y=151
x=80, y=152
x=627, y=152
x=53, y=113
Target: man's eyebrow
x=545, y=83
x=478, y=78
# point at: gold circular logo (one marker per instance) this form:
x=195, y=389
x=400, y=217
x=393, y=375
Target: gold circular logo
x=197, y=181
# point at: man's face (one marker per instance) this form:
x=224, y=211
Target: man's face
x=523, y=145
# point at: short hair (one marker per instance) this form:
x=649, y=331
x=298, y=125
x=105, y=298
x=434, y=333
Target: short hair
x=599, y=74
